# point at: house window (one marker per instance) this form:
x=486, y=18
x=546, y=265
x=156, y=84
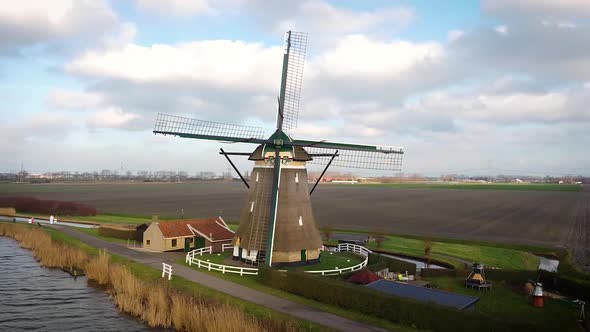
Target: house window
x=147, y=242
x=174, y=243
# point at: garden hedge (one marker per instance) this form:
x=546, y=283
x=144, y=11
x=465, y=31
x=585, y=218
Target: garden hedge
x=59, y=208
x=379, y=262
x=396, y=309
x=118, y=232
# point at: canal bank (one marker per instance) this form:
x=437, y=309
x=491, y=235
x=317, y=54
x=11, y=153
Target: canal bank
x=53, y=298
x=258, y=303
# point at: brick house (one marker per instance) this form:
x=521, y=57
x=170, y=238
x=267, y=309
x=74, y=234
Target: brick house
x=187, y=234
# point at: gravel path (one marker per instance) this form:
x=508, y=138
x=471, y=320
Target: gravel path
x=233, y=289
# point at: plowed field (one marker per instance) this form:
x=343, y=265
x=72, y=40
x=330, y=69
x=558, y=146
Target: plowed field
x=532, y=217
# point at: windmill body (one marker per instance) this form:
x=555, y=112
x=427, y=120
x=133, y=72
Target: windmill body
x=277, y=226
x=296, y=237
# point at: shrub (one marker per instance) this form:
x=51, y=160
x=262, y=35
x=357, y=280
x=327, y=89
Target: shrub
x=379, y=262
x=118, y=232
x=35, y=205
x=396, y=309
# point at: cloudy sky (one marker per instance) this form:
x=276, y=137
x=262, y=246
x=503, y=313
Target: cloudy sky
x=496, y=86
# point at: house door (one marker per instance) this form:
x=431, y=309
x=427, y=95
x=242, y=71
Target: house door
x=187, y=244
x=304, y=255
x=199, y=242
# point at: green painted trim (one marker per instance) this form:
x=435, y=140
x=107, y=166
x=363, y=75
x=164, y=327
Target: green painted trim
x=342, y=146
x=215, y=138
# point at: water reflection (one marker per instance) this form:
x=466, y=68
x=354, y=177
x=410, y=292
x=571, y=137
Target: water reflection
x=37, y=298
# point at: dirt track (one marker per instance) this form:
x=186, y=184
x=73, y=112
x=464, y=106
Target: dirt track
x=549, y=218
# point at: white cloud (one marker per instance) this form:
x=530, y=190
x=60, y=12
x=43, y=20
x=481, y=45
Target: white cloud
x=454, y=35
x=323, y=17
x=219, y=62
x=70, y=99
x=537, y=8
x=177, y=7
x=501, y=29
x=111, y=118
x=360, y=56
x=29, y=22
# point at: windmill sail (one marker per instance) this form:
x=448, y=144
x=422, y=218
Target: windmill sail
x=296, y=44
x=354, y=155
x=358, y=159
x=167, y=124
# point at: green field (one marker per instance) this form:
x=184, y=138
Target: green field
x=503, y=258
x=482, y=186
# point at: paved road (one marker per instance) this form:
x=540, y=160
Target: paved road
x=242, y=292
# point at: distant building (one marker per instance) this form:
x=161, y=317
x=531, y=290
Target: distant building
x=187, y=234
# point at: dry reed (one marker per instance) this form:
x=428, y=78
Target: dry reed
x=154, y=302
x=97, y=268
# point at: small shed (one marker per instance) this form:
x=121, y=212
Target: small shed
x=187, y=234
x=457, y=301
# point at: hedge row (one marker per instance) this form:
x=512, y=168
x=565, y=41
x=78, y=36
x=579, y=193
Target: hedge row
x=35, y=205
x=396, y=309
x=379, y=262
x=119, y=232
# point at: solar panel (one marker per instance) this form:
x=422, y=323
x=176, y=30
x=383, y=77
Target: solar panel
x=424, y=294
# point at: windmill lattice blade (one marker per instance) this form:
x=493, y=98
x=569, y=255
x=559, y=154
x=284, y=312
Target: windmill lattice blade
x=358, y=159
x=178, y=125
x=294, y=79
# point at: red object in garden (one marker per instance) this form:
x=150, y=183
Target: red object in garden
x=364, y=277
x=538, y=296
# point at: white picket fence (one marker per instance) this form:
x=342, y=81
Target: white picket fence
x=167, y=270
x=355, y=248
x=191, y=259
x=225, y=246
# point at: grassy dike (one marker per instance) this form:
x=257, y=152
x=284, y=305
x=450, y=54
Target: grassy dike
x=139, y=290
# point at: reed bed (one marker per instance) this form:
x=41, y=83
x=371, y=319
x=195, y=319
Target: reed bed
x=155, y=302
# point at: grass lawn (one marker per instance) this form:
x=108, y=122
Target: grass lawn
x=482, y=186
x=150, y=274
x=330, y=261
x=504, y=258
x=506, y=302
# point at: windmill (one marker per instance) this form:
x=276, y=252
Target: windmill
x=277, y=226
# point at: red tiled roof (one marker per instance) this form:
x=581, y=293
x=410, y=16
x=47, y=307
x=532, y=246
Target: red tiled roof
x=210, y=228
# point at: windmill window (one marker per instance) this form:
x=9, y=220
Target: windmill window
x=296, y=177
x=300, y=221
x=257, y=176
x=252, y=207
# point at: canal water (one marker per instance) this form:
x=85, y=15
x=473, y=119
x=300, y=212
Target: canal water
x=34, y=298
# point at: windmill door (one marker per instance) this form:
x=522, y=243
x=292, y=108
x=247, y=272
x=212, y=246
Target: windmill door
x=199, y=242
x=304, y=255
